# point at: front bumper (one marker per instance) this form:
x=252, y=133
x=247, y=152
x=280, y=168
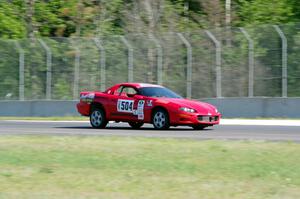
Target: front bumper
x=195, y=118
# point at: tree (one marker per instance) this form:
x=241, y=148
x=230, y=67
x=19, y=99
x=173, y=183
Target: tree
x=12, y=23
x=265, y=12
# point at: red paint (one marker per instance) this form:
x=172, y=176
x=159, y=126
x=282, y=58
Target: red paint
x=110, y=97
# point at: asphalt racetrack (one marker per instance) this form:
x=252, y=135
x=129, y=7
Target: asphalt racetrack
x=219, y=132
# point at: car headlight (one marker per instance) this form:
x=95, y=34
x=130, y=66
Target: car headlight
x=189, y=110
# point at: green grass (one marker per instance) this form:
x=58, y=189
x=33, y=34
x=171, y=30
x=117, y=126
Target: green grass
x=112, y=167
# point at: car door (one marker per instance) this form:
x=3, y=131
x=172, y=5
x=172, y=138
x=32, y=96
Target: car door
x=125, y=105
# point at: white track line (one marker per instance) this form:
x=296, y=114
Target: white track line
x=250, y=122
x=260, y=122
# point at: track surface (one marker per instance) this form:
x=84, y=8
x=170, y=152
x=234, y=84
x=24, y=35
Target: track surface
x=221, y=132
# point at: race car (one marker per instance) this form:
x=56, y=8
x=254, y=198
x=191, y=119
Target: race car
x=139, y=103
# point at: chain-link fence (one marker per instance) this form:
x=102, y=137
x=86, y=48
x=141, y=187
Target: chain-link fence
x=242, y=62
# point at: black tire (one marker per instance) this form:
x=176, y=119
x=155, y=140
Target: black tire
x=136, y=125
x=97, y=118
x=199, y=127
x=160, y=119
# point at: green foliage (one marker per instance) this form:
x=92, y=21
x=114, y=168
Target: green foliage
x=8, y=70
x=266, y=12
x=90, y=18
x=61, y=17
x=48, y=17
x=11, y=25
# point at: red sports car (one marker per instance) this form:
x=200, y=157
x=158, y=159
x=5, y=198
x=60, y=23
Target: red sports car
x=139, y=103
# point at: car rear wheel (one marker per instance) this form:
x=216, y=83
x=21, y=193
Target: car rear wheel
x=97, y=118
x=199, y=127
x=160, y=119
x=136, y=125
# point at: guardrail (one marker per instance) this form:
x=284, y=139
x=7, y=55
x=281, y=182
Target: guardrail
x=229, y=107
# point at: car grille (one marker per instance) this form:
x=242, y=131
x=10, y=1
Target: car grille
x=208, y=118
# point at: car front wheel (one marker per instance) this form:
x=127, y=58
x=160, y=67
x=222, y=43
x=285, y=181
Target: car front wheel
x=97, y=118
x=160, y=119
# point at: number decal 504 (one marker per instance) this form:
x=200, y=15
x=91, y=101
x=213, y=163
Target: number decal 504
x=125, y=106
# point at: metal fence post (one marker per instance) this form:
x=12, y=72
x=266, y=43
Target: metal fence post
x=159, y=59
x=189, y=65
x=250, y=62
x=21, y=70
x=284, y=60
x=130, y=58
x=218, y=63
x=49, y=69
x=76, y=73
x=102, y=62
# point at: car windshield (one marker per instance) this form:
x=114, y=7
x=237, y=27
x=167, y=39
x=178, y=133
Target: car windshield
x=158, y=92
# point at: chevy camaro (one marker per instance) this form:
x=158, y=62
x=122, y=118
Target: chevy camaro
x=139, y=103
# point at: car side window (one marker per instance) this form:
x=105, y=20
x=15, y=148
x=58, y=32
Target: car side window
x=118, y=91
x=127, y=91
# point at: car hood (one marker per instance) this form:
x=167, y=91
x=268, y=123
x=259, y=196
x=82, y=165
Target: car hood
x=200, y=107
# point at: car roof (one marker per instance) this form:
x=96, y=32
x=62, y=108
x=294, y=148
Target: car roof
x=140, y=85
x=131, y=84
